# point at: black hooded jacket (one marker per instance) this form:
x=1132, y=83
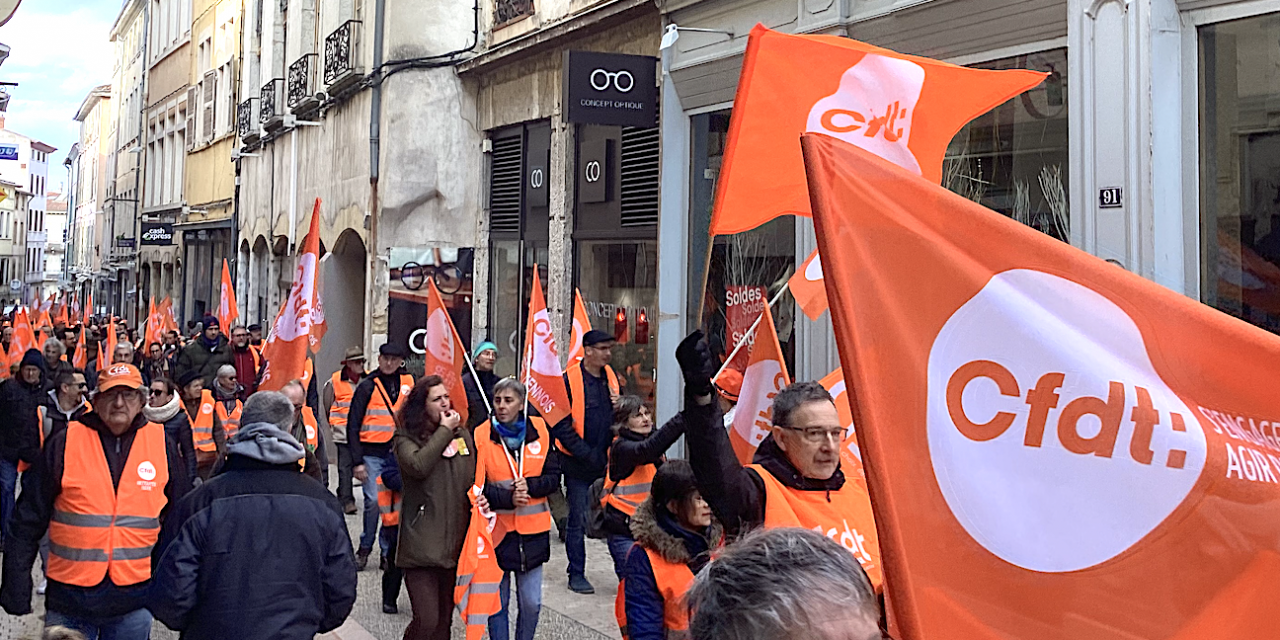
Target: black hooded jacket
x=19, y=424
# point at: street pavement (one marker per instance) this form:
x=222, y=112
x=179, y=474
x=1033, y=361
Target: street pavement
x=565, y=615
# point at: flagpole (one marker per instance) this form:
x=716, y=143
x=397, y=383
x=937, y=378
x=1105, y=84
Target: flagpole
x=751, y=330
x=475, y=377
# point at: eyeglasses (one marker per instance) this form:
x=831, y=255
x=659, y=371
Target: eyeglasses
x=156, y=392
x=815, y=435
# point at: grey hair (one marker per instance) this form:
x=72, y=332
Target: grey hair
x=226, y=369
x=57, y=344
x=510, y=384
x=237, y=326
x=775, y=584
x=268, y=406
x=294, y=383
x=794, y=396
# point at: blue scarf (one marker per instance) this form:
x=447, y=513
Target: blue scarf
x=513, y=434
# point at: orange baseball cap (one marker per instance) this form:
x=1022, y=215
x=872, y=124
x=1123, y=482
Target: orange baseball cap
x=119, y=375
x=729, y=384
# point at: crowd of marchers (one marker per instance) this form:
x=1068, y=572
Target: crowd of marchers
x=163, y=484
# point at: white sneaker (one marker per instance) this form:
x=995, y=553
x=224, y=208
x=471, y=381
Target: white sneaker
x=44, y=583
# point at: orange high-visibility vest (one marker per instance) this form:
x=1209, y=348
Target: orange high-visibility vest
x=308, y=370
x=534, y=517
x=230, y=420
x=388, y=505
x=627, y=494
x=342, y=393
x=95, y=529
x=312, y=435
x=673, y=579
x=202, y=423
x=379, y=417
x=577, y=393
x=843, y=515
x=257, y=359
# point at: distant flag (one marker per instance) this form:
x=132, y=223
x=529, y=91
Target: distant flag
x=227, y=310
x=765, y=376
x=299, y=324
x=581, y=325
x=444, y=354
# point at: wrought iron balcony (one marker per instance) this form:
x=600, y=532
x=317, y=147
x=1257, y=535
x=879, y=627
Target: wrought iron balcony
x=303, y=78
x=270, y=105
x=506, y=12
x=246, y=124
x=342, y=55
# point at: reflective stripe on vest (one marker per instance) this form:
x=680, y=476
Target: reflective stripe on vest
x=202, y=423
x=388, y=505
x=632, y=490
x=379, y=419
x=577, y=399
x=843, y=515
x=534, y=517
x=95, y=530
x=342, y=392
x=673, y=580
x=230, y=421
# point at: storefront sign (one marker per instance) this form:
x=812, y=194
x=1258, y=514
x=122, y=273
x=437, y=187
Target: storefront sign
x=8, y=152
x=743, y=304
x=611, y=89
x=1111, y=197
x=157, y=234
x=124, y=243
x=594, y=175
x=410, y=268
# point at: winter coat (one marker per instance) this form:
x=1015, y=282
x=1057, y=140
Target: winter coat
x=630, y=450
x=55, y=419
x=177, y=426
x=203, y=360
x=435, y=511
x=477, y=409
x=19, y=424
x=260, y=551
x=40, y=488
x=656, y=530
x=736, y=494
x=516, y=551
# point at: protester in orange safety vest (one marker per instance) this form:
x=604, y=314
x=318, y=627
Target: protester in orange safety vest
x=521, y=470
x=226, y=395
x=370, y=424
x=795, y=480
x=101, y=490
x=335, y=401
x=674, y=538
x=207, y=435
x=585, y=437
x=815, y=590
x=634, y=457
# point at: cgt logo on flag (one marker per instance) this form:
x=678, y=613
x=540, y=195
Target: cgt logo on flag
x=1074, y=417
x=872, y=108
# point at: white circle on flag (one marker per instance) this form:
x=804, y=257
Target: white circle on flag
x=146, y=470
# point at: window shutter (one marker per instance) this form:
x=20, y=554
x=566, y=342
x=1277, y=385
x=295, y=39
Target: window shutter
x=193, y=97
x=504, y=184
x=210, y=84
x=640, y=177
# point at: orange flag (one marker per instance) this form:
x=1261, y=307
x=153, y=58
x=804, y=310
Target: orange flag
x=61, y=315
x=807, y=287
x=24, y=337
x=850, y=454
x=541, y=362
x=88, y=310
x=299, y=324
x=166, y=313
x=903, y=108
x=101, y=362
x=475, y=592
x=1057, y=448
x=111, y=339
x=445, y=356
x=155, y=325
x=581, y=325
x=80, y=359
x=227, y=310
x=765, y=376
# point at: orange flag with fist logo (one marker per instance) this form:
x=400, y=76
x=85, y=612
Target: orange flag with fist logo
x=905, y=109
x=1056, y=448
x=444, y=354
x=581, y=325
x=765, y=376
x=300, y=323
x=540, y=367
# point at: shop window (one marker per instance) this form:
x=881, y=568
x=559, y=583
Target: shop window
x=1014, y=158
x=619, y=286
x=1240, y=169
x=746, y=269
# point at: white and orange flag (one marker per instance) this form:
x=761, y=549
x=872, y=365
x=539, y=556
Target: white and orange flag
x=155, y=325
x=80, y=359
x=475, y=591
x=444, y=354
x=227, y=310
x=850, y=454
x=581, y=325
x=1056, y=448
x=166, y=313
x=299, y=324
x=765, y=376
x=540, y=365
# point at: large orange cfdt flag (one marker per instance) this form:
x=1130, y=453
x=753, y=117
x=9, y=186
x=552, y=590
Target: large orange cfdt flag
x=300, y=322
x=765, y=376
x=1056, y=448
x=540, y=365
x=227, y=310
x=581, y=325
x=903, y=108
x=445, y=356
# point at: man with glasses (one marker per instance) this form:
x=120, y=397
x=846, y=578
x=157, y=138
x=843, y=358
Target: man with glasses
x=795, y=478
x=247, y=360
x=66, y=402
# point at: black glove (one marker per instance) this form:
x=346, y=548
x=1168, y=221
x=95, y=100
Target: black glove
x=696, y=363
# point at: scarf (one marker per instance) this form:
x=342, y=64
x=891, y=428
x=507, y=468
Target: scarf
x=513, y=434
x=161, y=415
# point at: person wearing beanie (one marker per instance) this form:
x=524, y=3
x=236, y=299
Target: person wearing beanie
x=19, y=431
x=479, y=391
x=206, y=353
x=260, y=551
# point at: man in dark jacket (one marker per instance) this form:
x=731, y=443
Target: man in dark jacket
x=111, y=433
x=369, y=457
x=65, y=402
x=19, y=435
x=205, y=354
x=261, y=550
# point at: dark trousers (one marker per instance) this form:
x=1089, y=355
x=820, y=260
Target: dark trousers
x=393, y=575
x=578, y=493
x=345, y=494
x=431, y=596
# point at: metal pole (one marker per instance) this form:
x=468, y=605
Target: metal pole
x=750, y=330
